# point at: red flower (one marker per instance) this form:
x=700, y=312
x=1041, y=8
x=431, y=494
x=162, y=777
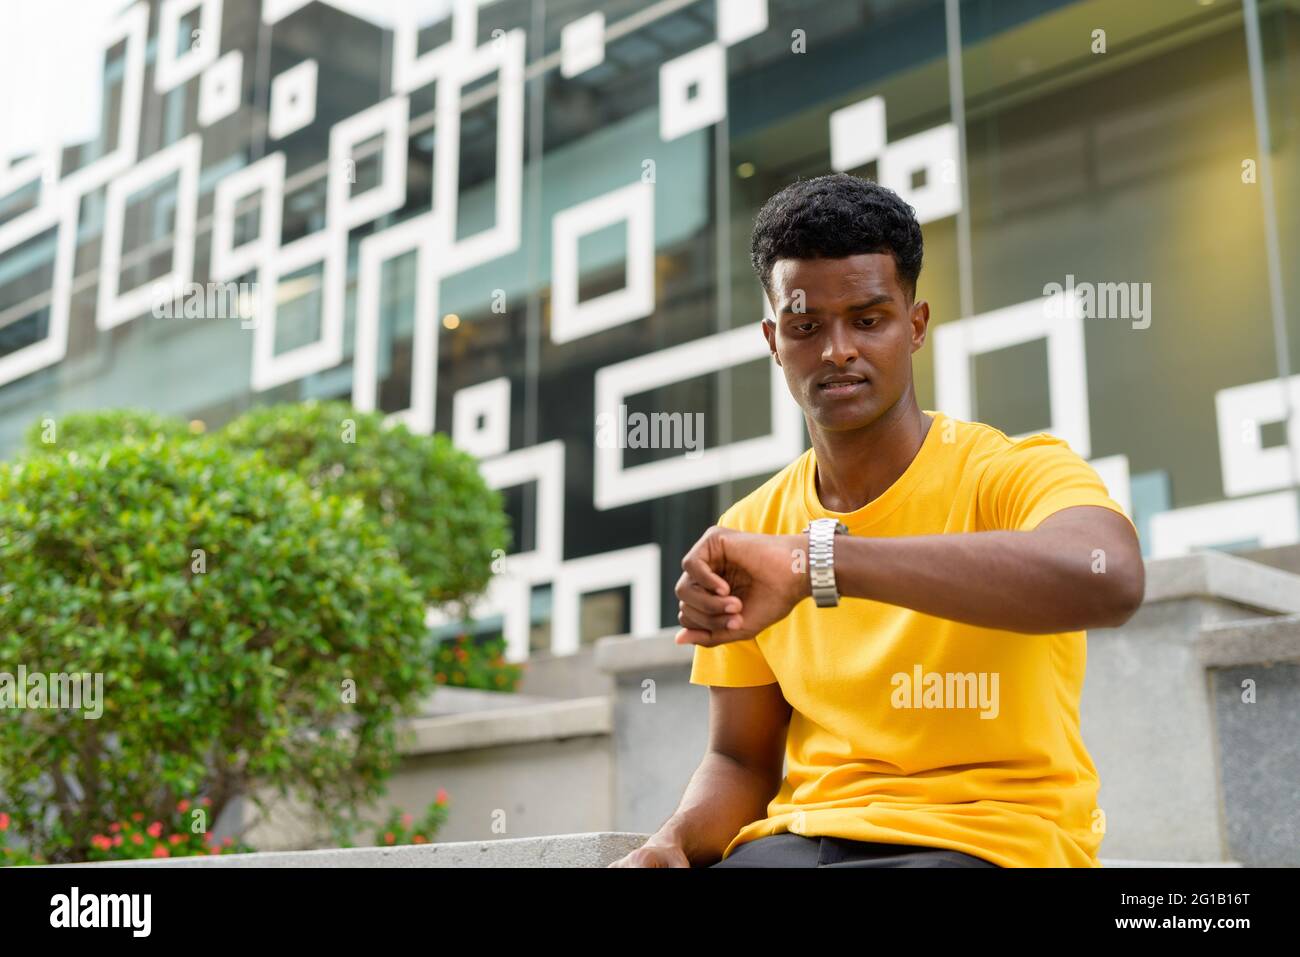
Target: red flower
x=183, y=806
x=174, y=840
x=214, y=849
x=442, y=796
x=419, y=839
x=117, y=841
x=226, y=842
x=206, y=802
x=389, y=837
x=155, y=829
x=100, y=842
x=407, y=820
x=4, y=821
x=161, y=851
x=114, y=827
x=138, y=816
x=461, y=654
x=137, y=838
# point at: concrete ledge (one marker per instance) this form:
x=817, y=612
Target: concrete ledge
x=642, y=652
x=485, y=729
x=1223, y=576
x=1261, y=641
x=452, y=700
x=598, y=849
x=1115, y=862
x=561, y=850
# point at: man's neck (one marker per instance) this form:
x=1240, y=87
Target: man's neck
x=855, y=468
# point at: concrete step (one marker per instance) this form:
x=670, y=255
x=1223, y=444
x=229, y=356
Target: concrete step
x=1256, y=641
x=1117, y=862
x=561, y=850
x=597, y=849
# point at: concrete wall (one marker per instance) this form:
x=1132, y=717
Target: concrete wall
x=1254, y=671
x=513, y=772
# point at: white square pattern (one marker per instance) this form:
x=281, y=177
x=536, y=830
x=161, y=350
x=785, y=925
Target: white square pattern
x=181, y=158
x=1057, y=319
x=858, y=133
x=582, y=44
x=221, y=88
x=481, y=418
x=692, y=91
x=571, y=319
x=293, y=99
x=740, y=19
x=172, y=67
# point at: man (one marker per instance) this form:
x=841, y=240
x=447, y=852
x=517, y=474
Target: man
x=920, y=672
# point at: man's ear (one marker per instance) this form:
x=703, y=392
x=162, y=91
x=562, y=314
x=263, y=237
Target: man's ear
x=769, y=333
x=920, y=318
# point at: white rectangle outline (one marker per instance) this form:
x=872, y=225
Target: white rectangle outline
x=267, y=177
x=388, y=117
x=170, y=70
x=1273, y=518
x=571, y=319
x=506, y=55
x=616, y=485
x=955, y=343
x=330, y=247
x=1247, y=467
x=543, y=464
x=182, y=158
x=637, y=566
x=45, y=352
x=414, y=235
x=412, y=71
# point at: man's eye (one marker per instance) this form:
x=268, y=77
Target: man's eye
x=868, y=321
x=805, y=326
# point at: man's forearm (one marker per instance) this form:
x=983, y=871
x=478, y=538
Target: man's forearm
x=722, y=797
x=1039, y=582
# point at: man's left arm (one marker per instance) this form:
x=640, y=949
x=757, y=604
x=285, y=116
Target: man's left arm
x=1080, y=568
x=1058, y=557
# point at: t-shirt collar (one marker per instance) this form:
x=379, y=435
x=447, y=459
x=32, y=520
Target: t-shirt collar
x=890, y=498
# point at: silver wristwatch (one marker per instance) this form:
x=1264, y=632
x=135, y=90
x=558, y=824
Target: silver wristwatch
x=821, y=559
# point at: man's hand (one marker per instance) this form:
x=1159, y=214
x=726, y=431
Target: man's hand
x=735, y=584
x=652, y=854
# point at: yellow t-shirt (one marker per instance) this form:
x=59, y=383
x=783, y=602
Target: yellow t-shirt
x=911, y=729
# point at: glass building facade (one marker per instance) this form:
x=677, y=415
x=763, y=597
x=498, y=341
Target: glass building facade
x=517, y=220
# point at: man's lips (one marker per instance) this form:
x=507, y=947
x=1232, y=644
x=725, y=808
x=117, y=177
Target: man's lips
x=842, y=385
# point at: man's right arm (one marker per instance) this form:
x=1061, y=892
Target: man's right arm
x=739, y=775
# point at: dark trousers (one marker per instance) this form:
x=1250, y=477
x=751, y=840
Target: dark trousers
x=795, y=850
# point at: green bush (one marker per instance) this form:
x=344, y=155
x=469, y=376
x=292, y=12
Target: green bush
x=465, y=662
x=403, y=828
x=253, y=634
x=428, y=496
x=78, y=429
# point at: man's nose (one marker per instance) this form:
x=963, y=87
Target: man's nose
x=840, y=347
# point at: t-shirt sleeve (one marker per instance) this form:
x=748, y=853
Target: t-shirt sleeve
x=1036, y=477
x=736, y=664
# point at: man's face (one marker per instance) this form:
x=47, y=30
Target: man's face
x=847, y=355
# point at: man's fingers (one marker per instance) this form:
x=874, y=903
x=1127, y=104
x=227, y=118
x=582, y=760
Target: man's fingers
x=698, y=569
x=691, y=617
x=693, y=636
x=691, y=592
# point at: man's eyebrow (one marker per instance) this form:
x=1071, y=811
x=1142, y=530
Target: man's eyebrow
x=856, y=307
